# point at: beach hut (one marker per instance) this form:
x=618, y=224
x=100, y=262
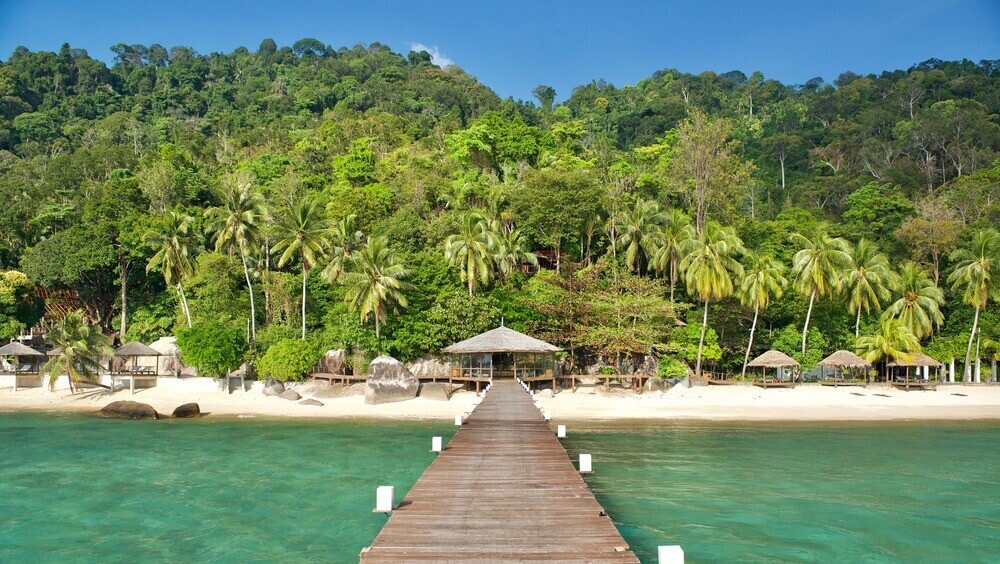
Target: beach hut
x=844, y=361
x=502, y=353
x=779, y=361
x=24, y=364
x=130, y=353
x=922, y=363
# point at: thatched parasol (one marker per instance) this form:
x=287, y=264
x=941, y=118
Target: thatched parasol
x=773, y=359
x=844, y=359
x=135, y=348
x=18, y=349
x=917, y=359
x=501, y=340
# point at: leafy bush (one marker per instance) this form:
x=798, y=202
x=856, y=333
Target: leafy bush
x=671, y=367
x=789, y=341
x=212, y=347
x=684, y=343
x=288, y=359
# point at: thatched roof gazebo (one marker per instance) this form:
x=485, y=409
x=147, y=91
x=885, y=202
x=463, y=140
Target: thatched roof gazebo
x=26, y=363
x=779, y=361
x=921, y=362
x=502, y=353
x=843, y=361
x=133, y=350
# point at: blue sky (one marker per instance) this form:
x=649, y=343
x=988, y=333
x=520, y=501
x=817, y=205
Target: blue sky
x=514, y=45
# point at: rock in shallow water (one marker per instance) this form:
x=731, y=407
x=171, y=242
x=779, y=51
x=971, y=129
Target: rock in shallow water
x=290, y=395
x=187, y=410
x=128, y=410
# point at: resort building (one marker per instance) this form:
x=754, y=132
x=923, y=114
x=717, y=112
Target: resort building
x=502, y=353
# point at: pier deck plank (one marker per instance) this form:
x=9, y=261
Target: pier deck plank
x=504, y=489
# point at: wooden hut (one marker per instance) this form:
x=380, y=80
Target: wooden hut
x=779, y=361
x=844, y=361
x=25, y=366
x=132, y=352
x=502, y=353
x=919, y=382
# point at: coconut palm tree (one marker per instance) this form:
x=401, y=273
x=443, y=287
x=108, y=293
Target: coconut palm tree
x=976, y=276
x=236, y=224
x=302, y=231
x=893, y=340
x=818, y=269
x=709, y=268
x=344, y=240
x=869, y=281
x=471, y=250
x=673, y=237
x=637, y=232
x=79, y=347
x=511, y=250
x=918, y=306
x=173, y=256
x=764, y=281
x=375, y=282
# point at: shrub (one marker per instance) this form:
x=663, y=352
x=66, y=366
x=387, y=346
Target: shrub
x=671, y=367
x=212, y=347
x=288, y=359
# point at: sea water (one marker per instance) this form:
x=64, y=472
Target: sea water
x=77, y=488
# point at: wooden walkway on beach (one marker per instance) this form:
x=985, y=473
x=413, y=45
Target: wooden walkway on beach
x=504, y=489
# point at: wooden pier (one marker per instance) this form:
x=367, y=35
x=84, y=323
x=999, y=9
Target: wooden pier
x=504, y=489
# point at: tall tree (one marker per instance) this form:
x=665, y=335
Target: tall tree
x=511, y=250
x=173, y=241
x=893, y=340
x=976, y=276
x=302, y=230
x=673, y=237
x=345, y=238
x=80, y=347
x=709, y=268
x=869, y=280
x=376, y=283
x=918, y=305
x=637, y=237
x=764, y=281
x=818, y=269
x=237, y=229
x=471, y=250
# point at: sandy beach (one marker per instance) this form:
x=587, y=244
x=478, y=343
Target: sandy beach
x=808, y=402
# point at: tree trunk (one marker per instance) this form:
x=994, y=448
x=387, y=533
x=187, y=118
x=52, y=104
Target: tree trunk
x=253, y=308
x=124, y=298
x=184, y=304
x=967, y=369
x=673, y=276
x=857, y=324
x=782, y=159
x=701, y=341
x=805, y=328
x=746, y=357
x=304, y=273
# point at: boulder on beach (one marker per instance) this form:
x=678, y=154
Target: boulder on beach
x=655, y=384
x=437, y=391
x=389, y=381
x=427, y=366
x=290, y=395
x=332, y=362
x=273, y=388
x=310, y=401
x=187, y=410
x=128, y=410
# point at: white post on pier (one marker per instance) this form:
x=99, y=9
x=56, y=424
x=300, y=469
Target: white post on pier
x=561, y=431
x=458, y=420
x=436, y=444
x=671, y=554
x=470, y=408
x=384, y=499
x=586, y=464
x=548, y=415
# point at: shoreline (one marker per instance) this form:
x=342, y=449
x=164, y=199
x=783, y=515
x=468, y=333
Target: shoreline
x=804, y=403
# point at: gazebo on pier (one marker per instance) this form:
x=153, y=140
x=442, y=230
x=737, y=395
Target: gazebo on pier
x=502, y=353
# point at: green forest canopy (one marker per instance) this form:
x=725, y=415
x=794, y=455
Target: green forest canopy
x=460, y=183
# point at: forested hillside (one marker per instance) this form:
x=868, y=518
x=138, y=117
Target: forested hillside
x=412, y=207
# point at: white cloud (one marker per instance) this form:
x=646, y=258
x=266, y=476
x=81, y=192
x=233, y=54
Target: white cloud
x=437, y=57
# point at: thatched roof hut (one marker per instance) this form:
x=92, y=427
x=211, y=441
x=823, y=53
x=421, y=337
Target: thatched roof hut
x=501, y=340
x=135, y=348
x=773, y=359
x=844, y=359
x=918, y=359
x=18, y=349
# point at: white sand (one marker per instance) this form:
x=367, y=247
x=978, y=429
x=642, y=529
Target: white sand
x=805, y=402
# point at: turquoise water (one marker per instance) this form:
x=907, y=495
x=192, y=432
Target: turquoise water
x=77, y=488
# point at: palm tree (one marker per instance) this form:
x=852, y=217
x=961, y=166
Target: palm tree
x=237, y=229
x=80, y=348
x=637, y=232
x=344, y=240
x=673, y=237
x=818, y=269
x=173, y=256
x=976, y=276
x=893, y=340
x=302, y=231
x=764, y=281
x=375, y=282
x=918, y=306
x=471, y=250
x=709, y=268
x=869, y=281
x=511, y=250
